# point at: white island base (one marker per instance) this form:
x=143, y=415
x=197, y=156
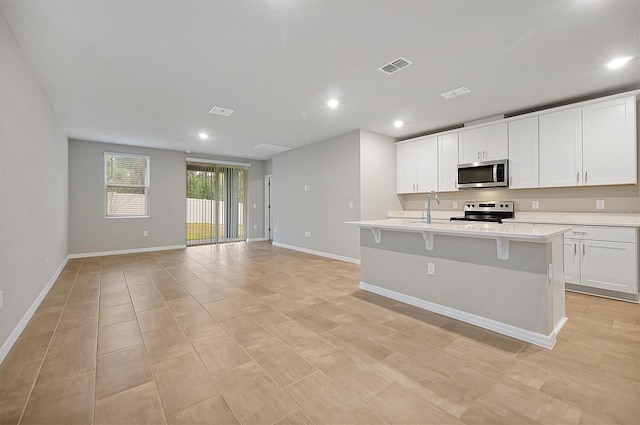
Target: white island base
x=469, y=278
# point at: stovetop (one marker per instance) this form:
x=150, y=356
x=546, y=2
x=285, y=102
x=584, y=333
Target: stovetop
x=488, y=211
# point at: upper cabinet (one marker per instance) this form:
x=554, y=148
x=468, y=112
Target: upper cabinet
x=609, y=142
x=417, y=165
x=591, y=145
x=561, y=148
x=448, y=162
x=585, y=144
x=523, y=153
x=483, y=144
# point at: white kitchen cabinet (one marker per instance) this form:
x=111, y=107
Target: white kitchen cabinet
x=483, y=144
x=405, y=167
x=523, y=153
x=417, y=165
x=561, y=148
x=448, y=162
x=609, y=142
x=603, y=258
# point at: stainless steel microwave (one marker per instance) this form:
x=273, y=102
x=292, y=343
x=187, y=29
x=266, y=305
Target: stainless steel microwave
x=484, y=174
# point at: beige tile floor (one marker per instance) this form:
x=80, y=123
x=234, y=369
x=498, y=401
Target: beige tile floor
x=253, y=334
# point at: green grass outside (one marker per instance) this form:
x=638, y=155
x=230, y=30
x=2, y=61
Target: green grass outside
x=198, y=231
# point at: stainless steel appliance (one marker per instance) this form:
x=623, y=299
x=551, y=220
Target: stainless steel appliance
x=483, y=174
x=491, y=211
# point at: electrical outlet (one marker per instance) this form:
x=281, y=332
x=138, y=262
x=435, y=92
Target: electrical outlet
x=351, y=204
x=307, y=188
x=255, y=227
x=600, y=204
x=255, y=206
x=1, y=299
x=275, y=230
x=431, y=269
x=307, y=234
x=455, y=204
x=535, y=205
x=145, y=233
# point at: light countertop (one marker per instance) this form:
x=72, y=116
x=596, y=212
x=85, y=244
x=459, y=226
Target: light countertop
x=577, y=219
x=512, y=231
x=561, y=218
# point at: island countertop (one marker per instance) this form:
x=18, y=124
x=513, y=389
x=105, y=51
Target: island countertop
x=512, y=231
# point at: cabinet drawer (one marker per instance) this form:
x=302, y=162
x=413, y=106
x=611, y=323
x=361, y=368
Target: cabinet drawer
x=600, y=233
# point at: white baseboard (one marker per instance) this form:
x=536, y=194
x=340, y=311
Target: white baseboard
x=256, y=239
x=318, y=253
x=126, y=251
x=546, y=341
x=17, y=331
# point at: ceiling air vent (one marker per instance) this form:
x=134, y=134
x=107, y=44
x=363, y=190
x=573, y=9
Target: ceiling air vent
x=273, y=148
x=455, y=92
x=395, y=65
x=225, y=112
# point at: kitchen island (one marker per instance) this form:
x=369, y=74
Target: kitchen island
x=504, y=277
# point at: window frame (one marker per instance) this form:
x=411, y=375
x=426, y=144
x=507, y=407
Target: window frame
x=147, y=186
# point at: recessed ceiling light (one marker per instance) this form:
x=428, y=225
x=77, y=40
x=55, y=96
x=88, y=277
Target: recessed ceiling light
x=618, y=62
x=398, y=123
x=332, y=103
x=203, y=136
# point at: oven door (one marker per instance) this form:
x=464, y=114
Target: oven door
x=483, y=174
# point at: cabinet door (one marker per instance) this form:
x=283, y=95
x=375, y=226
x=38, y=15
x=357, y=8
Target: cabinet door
x=496, y=143
x=523, y=153
x=448, y=162
x=609, y=142
x=427, y=165
x=561, y=148
x=572, y=261
x=610, y=265
x=405, y=167
x=470, y=146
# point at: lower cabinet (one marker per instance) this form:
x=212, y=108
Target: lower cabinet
x=603, y=258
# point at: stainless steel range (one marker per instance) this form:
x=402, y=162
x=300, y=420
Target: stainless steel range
x=491, y=211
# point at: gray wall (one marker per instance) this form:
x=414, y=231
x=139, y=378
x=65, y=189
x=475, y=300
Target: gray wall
x=377, y=176
x=332, y=170
x=33, y=184
x=90, y=231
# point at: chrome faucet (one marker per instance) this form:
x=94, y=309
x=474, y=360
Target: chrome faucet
x=429, y=204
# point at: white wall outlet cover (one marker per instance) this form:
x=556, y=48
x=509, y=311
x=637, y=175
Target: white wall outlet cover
x=307, y=188
x=307, y=234
x=255, y=227
x=431, y=269
x=351, y=204
x=255, y=206
x=145, y=233
x=1, y=299
x=455, y=204
x=535, y=205
x=600, y=205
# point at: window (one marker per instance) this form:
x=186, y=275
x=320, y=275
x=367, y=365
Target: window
x=126, y=179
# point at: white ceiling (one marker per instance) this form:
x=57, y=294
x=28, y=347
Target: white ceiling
x=146, y=72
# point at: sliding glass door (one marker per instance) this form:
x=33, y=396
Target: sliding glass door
x=216, y=203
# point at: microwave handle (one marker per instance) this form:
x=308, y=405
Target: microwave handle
x=495, y=173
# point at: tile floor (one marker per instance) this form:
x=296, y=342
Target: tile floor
x=254, y=334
